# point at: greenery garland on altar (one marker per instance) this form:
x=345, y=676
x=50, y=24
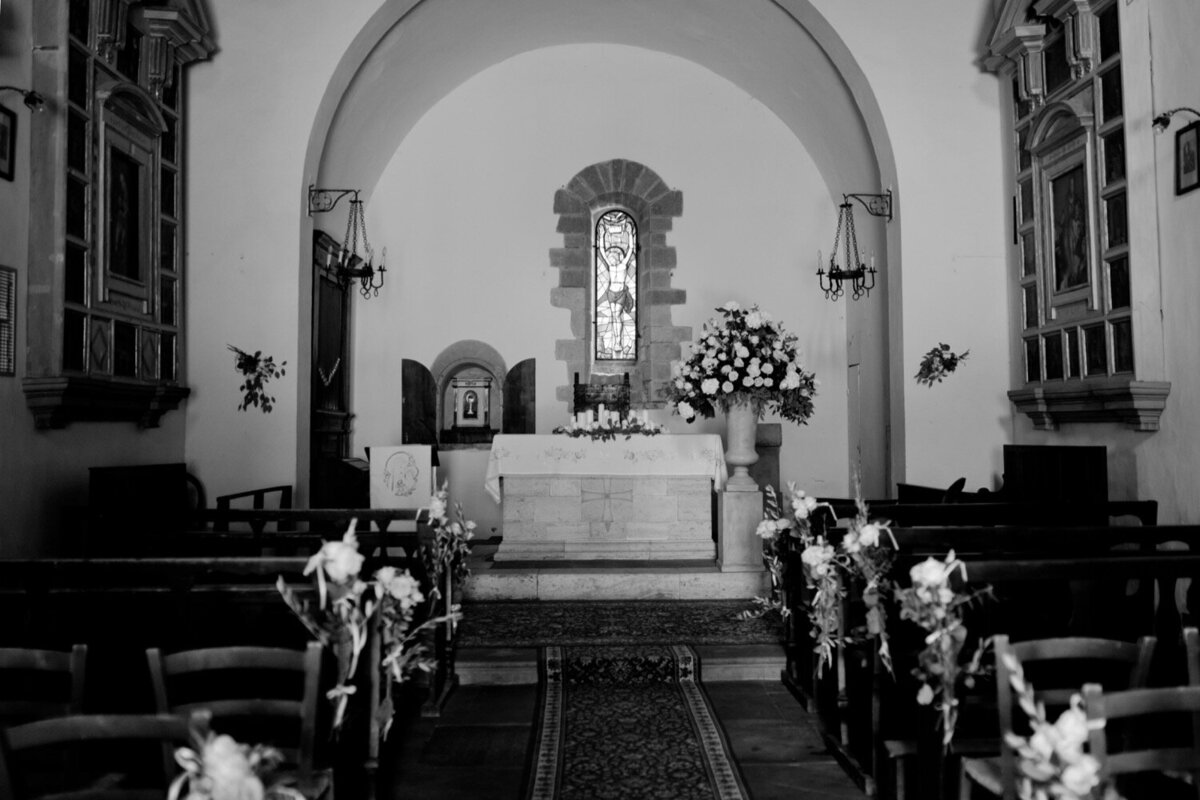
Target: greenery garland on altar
x=607, y=430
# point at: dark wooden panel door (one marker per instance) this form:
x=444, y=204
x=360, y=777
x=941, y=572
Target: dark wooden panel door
x=331, y=417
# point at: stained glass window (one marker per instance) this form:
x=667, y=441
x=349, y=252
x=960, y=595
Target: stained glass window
x=616, y=307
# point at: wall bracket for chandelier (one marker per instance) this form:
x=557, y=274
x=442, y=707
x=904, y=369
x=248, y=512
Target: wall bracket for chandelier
x=349, y=266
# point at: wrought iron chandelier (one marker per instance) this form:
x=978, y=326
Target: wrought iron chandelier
x=852, y=270
x=350, y=266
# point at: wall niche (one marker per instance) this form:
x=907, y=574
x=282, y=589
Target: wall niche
x=466, y=397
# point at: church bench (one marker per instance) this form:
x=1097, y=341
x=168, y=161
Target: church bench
x=324, y=520
x=119, y=607
x=1046, y=581
x=1000, y=512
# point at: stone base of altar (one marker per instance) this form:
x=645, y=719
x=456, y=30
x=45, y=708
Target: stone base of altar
x=572, y=517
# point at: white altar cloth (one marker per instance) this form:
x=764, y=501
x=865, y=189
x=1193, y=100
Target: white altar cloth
x=557, y=454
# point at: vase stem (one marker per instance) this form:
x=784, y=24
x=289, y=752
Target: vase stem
x=741, y=421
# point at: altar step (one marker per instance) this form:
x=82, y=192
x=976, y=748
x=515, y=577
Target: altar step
x=509, y=666
x=594, y=579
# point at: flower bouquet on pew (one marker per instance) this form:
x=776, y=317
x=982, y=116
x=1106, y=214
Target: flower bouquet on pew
x=857, y=559
x=217, y=767
x=933, y=604
x=1051, y=760
x=446, y=558
x=347, y=606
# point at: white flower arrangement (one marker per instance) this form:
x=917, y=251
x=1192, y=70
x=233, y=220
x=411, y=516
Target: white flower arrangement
x=933, y=604
x=347, y=605
x=218, y=767
x=744, y=356
x=1052, y=761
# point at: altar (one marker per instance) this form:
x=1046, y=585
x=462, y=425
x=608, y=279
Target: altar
x=642, y=498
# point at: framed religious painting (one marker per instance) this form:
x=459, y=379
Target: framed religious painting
x=8, y=143
x=1187, y=158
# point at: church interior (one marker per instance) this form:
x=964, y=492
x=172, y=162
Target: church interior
x=262, y=263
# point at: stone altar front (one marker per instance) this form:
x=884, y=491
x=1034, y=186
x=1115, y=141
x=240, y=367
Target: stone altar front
x=643, y=498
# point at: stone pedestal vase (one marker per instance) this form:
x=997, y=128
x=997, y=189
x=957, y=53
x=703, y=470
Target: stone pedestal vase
x=741, y=426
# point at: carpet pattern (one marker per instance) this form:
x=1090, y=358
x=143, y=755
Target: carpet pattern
x=579, y=622
x=622, y=722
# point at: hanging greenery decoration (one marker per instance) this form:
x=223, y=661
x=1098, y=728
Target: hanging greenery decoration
x=938, y=363
x=257, y=371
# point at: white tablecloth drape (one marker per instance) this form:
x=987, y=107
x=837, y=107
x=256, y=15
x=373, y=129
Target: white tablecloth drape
x=557, y=454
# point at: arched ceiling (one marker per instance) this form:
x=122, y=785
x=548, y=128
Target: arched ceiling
x=414, y=52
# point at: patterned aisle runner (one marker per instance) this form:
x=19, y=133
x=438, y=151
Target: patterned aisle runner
x=628, y=722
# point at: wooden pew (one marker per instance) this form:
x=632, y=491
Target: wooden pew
x=977, y=514
x=121, y=606
x=1048, y=581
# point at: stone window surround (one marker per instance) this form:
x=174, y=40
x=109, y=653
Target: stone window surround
x=633, y=187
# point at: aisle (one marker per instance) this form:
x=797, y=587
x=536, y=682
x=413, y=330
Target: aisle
x=478, y=748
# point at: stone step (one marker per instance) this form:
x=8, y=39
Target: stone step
x=610, y=580
x=507, y=666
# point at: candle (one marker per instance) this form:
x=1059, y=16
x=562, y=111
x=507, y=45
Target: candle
x=600, y=413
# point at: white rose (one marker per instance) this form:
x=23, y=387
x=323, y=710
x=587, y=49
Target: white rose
x=686, y=411
x=732, y=306
x=1072, y=727
x=768, y=368
x=747, y=381
x=754, y=339
x=227, y=766
x=868, y=535
x=726, y=387
x=768, y=382
x=733, y=375
x=710, y=386
x=766, y=529
x=341, y=560
x=802, y=504
x=437, y=506
x=743, y=351
x=929, y=573
x=925, y=694
x=1081, y=777
x=402, y=586
x=817, y=555
x=739, y=362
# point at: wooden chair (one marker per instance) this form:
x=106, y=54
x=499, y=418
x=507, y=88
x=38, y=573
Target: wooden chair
x=94, y=757
x=1159, y=752
x=258, y=695
x=41, y=683
x=1072, y=660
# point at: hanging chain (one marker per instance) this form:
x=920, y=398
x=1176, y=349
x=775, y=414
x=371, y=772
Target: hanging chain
x=362, y=220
